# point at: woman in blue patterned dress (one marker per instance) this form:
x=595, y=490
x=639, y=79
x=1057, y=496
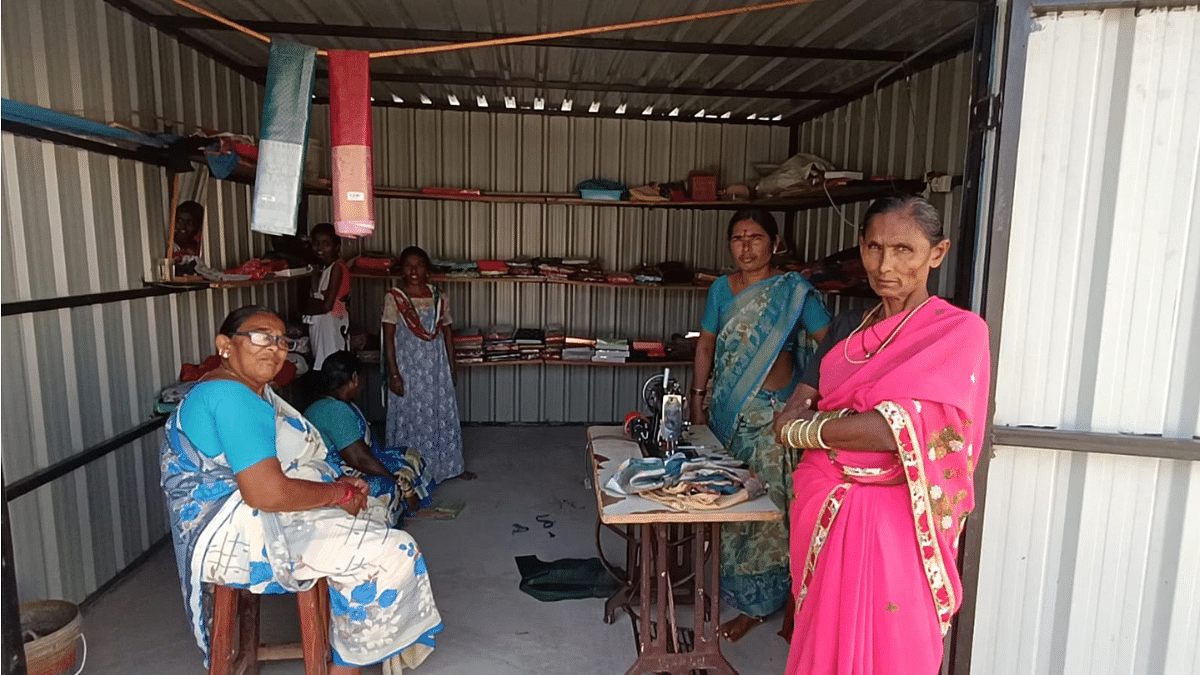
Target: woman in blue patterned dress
x=254, y=504
x=422, y=409
x=396, y=476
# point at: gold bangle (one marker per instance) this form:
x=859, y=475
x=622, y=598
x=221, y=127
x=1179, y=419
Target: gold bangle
x=788, y=433
x=817, y=434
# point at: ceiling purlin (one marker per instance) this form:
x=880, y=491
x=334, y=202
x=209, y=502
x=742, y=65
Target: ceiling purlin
x=425, y=78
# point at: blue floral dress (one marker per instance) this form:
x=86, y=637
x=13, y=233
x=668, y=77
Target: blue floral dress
x=380, y=596
x=426, y=417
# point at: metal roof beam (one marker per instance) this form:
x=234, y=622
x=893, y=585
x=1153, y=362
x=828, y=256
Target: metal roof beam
x=430, y=35
x=609, y=87
x=136, y=11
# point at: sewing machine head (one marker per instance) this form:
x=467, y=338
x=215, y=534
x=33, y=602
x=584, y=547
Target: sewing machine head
x=661, y=433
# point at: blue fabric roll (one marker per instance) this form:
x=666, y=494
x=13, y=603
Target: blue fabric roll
x=283, y=141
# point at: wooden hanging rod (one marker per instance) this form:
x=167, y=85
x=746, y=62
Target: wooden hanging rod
x=399, y=34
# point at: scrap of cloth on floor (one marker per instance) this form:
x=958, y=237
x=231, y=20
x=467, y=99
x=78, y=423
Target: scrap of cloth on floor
x=565, y=579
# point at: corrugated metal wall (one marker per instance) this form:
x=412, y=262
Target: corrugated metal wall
x=1089, y=565
x=1106, y=213
x=509, y=152
x=1089, y=560
x=74, y=223
x=907, y=129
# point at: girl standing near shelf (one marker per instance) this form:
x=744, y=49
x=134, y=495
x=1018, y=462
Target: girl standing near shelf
x=328, y=319
x=753, y=341
x=422, y=409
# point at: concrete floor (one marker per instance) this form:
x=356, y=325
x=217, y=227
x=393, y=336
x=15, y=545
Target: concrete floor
x=491, y=626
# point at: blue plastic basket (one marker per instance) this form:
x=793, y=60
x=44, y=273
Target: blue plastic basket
x=605, y=195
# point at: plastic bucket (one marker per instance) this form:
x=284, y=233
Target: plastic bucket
x=49, y=629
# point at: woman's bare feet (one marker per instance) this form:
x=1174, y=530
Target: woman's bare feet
x=737, y=627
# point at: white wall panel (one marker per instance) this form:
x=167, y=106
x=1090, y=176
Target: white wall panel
x=508, y=152
x=1088, y=559
x=75, y=223
x=1087, y=565
x=1100, y=314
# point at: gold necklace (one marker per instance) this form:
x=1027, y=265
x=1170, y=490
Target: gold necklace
x=891, y=336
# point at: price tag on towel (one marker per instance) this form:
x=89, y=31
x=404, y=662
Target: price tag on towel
x=356, y=196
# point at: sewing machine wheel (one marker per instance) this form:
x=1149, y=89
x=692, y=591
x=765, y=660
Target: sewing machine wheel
x=652, y=393
x=638, y=427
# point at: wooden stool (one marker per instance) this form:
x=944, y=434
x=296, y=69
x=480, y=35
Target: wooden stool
x=233, y=640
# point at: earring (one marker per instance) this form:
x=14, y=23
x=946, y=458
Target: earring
x=224, y=355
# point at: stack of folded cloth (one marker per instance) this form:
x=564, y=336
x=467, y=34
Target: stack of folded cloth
x=611, y=350
x=521, y=267
x=529, y=343
x=556, y=339
x=620, y=278
x=467, y=270
x=648, y=349
x=468, y=345
x=499, y=345
x=578, y=348
x=553, y=268
x=585, y=270
x=371, y=264
x=493, y=268
x=674, y=272
x=705, y=277
x=648, y=275
x=440, y=266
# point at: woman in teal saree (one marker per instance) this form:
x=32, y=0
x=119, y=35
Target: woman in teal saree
x=754, y=343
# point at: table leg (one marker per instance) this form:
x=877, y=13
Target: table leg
x=660, y=652
x=627, y=591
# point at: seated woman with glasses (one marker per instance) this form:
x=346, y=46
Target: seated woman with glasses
x=255, y=504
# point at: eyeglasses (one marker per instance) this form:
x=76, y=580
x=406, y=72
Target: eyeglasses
x=261, y=339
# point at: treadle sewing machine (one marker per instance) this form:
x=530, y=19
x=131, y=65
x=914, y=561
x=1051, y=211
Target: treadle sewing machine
x=661, y=433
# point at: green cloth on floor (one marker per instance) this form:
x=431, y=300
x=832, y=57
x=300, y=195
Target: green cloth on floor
x=441, y=510
x=565, y=579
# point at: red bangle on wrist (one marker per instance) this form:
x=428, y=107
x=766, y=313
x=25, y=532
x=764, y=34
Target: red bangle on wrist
x=347, y=496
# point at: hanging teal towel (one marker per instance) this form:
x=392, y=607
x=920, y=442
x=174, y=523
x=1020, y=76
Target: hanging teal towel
x=283, y=137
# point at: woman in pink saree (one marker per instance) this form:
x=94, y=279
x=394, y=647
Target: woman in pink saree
x=885, y=485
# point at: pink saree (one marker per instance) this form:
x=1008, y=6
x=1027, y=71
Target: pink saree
x=874, y=536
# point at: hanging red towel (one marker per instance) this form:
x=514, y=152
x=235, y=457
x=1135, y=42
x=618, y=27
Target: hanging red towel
x=350, y=132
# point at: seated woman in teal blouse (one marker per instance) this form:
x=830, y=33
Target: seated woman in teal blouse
x=396, y=476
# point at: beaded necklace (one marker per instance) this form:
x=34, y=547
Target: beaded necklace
x=868, y=353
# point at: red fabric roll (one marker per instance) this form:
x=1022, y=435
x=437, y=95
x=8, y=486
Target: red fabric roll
x=350, y=135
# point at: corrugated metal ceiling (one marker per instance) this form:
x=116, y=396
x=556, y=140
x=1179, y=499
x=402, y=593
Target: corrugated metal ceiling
x=714, y=68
